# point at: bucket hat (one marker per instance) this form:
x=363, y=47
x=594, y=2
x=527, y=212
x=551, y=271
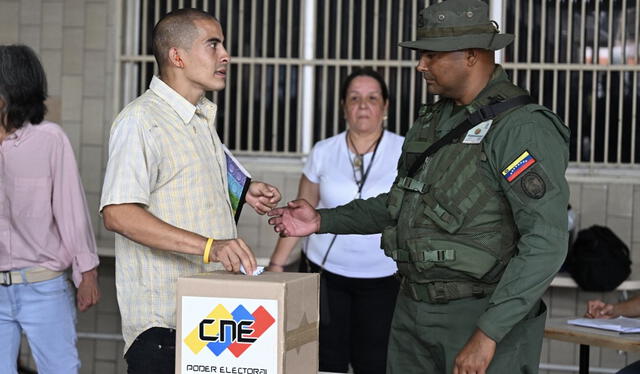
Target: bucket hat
x=457, y=24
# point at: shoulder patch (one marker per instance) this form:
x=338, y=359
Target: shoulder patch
x=533, y=185
x=518, y=166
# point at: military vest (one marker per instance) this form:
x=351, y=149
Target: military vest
x=454, y=224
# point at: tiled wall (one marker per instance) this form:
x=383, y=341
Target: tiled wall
x=74, y=39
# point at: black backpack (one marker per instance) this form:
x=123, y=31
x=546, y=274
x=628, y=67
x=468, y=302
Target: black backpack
x=598, y=260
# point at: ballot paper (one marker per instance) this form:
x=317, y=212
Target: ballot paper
x=259, y=270
x=620, y=324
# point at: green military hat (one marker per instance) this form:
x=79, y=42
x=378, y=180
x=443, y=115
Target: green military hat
x=457, y=24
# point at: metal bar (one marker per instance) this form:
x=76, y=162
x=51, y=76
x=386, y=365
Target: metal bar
x=543, y=38
x=567, y=81
x=376, y=28
x=325, y=68
x=276, y=80
x=634, y=101
x=556, y=50
x=306, y=117
x=621, y=83
x=238, y=113
x=117, y=71
x=252, y=74
x=263, y=76
x=581, y=83
x=607, y=93
x=516, y=46
x=530, y=42
x=594, y=81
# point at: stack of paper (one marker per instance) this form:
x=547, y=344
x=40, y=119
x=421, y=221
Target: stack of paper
x=620, y=324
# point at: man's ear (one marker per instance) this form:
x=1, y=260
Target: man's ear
x=472, y=56
x=175, y=57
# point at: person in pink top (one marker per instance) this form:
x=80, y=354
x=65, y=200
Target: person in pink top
x=44, y=224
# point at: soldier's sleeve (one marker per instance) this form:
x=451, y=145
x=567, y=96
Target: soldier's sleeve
x=359, y=216
x=529, y=157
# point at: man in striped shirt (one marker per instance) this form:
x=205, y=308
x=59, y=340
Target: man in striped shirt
x=165, y=189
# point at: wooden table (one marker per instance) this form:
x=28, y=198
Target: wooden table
x=559, y=329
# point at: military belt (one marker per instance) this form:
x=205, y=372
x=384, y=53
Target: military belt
x=443, y=292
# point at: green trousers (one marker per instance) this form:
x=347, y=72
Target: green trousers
x=425, y=338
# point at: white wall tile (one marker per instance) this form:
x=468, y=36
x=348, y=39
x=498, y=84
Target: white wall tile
x=71, y=98
x=620, y=200
x=74, y=13
x=94, y=74
x=621, y=226
x=96, y=26
x=93, y=121
x=73, y=131
x=30, y=12
x=53, y=13
x=90, y=163
x=9, y=22
x=73, y=56
x=52, y=63
x=593, y=205
x=30, y=35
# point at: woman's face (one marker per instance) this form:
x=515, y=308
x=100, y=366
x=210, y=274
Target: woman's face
x=364, y=106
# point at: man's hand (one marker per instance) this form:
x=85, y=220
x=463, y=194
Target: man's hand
x=476, y=355
x=88, y=292
x=231, y=253
x=599, y=309
x=262, y=197
x=298, y=218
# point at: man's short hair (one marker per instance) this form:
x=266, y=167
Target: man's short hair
x=23, y=86
x=176, y=29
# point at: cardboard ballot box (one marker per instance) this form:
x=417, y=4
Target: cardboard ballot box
x=238, y=324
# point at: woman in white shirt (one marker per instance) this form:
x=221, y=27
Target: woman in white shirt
x=358, y=287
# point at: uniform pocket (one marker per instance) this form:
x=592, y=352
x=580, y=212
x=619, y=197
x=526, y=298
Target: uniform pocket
x=442, y=212
x=32, y=196
x=428, y=252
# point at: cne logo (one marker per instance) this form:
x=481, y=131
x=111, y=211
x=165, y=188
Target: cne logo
x=235, y=331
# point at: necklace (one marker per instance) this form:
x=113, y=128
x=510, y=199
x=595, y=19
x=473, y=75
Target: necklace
x=358, y=159
x=357, y=163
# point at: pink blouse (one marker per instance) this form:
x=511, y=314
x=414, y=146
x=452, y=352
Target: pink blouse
x=43, y=212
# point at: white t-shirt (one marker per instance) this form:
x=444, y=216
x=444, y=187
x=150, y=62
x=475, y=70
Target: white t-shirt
x=329, y=165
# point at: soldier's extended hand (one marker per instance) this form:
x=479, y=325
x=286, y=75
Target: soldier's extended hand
x=298, y=218
x=231, y=253
x=476, y=355
x=262, y=197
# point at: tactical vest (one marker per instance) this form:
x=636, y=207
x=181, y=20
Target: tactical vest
x=455, y=233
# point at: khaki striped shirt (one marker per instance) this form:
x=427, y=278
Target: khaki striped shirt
x=164, y=154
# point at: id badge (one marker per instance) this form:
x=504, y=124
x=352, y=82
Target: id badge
x=476, y=134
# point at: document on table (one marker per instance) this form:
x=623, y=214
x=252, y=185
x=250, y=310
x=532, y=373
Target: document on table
x=620, y=324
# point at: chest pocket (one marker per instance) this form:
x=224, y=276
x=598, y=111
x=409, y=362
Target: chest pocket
x=413, y=150
x=32, y=196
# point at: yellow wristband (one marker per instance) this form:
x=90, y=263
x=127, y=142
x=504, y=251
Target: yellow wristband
x=207, y=250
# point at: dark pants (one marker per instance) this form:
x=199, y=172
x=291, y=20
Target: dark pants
x=355, y=320
x=153, y=351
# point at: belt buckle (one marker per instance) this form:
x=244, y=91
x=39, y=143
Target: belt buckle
x=6, y=278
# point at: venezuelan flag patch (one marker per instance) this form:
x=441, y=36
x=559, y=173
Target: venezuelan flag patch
x=517, y=167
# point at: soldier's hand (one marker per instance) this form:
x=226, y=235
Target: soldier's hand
x=262, y=197
x=476, y=355
x=231, y=253
x=298, y=218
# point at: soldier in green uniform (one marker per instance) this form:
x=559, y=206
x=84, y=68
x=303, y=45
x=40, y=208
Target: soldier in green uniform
x=477, y=217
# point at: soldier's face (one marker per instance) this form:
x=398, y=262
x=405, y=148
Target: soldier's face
x=444, y=72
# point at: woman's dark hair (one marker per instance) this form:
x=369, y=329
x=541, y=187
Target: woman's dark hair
x=367, y=72
x=23, y=86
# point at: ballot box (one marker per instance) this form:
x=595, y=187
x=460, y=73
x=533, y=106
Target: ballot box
x=238, y=324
